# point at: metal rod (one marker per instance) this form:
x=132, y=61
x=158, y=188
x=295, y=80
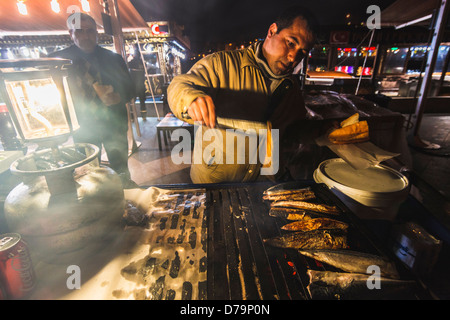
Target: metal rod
x=117, y=31
x=364, y=63
x=438, y=31
x=147, y=76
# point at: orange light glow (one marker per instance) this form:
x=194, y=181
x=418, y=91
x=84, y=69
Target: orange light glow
x=55, y=6
x=85, y=6
x=22, y=8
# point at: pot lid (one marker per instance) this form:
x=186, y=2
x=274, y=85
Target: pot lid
x=375, y=179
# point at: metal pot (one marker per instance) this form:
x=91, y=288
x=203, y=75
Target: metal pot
x=63, y=210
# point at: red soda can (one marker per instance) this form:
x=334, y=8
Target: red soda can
x=16, y=268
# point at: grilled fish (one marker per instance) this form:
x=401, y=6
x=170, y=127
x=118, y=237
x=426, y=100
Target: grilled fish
x=294, y=214
x=352, y=261
x=289, y=197
x=355, y=286
x=286, y=188
x=286, y=195
x=315, y=239
x=313, y=224
x=317, y=207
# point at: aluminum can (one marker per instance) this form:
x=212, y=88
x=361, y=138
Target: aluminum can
x=16, y=268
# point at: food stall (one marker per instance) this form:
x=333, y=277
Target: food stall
x=402, y=59
x=163, y=50
x=31, y=31
x=435, y=15
x=341, y=68
x=209, y=242
x=402, y=67
x=87, y=238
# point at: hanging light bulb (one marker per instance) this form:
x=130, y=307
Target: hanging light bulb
x=22, y=7
x=55, y=6
x=85, y=6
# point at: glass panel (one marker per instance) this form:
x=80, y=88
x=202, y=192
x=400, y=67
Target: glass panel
x=441, y=56
x=416, y=60
x=70, y=105
x=394, y=61
x=318, y=59
x=346, y=60
x=37, y=105
x=368, y=55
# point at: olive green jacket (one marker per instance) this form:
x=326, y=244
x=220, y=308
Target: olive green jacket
x=242, y=88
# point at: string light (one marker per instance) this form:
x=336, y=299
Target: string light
x=22, y=7
x=55, y=6
x=85, y=6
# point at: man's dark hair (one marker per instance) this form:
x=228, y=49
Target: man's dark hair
x=287, y=17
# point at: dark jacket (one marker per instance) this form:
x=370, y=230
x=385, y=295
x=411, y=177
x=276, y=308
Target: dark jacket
x=137, y=73
x=107, y=68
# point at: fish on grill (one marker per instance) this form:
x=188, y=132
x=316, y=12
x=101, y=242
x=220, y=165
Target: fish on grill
x=353, y=261
x=356, y=286
x=313, y=224
x=286, y=195
x=286, y=188
x=294, y=214
x=314, y=239
x=317, y=207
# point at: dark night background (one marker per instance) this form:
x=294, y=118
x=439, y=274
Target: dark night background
x=221, y=21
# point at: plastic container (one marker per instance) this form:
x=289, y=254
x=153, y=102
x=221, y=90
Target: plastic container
x=372, y=193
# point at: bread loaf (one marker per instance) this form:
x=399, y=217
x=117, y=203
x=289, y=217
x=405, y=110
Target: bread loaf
x=356, y=132
x=350, y=120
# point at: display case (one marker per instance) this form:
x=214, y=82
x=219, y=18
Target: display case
x=402, y=66
x=366, y=61
x=356, y=60
x=37, y=95
x=318, y=58
x=394, y=60
x=346, y=60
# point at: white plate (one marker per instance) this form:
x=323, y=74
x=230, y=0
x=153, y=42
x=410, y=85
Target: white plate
x=377, y=186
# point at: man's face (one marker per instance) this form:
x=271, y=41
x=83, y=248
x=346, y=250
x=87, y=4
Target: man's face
x=284, y=50
x=85, y=38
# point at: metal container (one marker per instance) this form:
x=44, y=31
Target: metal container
x=66, y=210
x=372, y=193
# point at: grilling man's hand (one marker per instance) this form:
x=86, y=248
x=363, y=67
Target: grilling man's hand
x=203, y=111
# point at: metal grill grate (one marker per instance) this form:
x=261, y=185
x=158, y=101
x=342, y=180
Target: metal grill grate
x=241, y=266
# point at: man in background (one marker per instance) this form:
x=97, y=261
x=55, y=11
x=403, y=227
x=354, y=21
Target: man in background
x=137, y=72
x=101, y=86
